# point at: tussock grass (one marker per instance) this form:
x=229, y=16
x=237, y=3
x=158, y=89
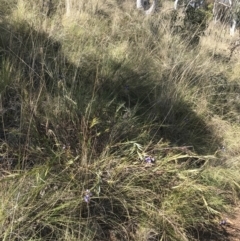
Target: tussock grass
x=127, y=198
x=87, y=93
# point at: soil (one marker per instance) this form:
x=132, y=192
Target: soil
x=232, y=227
x=227, y=230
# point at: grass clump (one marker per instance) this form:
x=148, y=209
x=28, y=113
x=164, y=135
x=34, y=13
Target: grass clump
x=126, y=198
x=111, y=126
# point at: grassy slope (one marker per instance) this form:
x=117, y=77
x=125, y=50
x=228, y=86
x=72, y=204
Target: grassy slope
x=85, y=96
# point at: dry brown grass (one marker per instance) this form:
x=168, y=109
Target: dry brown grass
x=87, y=95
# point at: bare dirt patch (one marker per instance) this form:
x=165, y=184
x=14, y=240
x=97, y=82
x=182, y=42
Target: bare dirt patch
x=232, y=226
x=227, y=230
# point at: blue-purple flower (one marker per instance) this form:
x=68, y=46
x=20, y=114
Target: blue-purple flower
x=223, y=222
x=149, y=159
x=87, y=196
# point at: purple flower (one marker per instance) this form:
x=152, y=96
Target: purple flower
x=87, y=196
x=223, y=148
x=149, y=159
x=223, y=222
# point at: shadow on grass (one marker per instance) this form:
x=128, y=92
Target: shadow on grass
x=40, y=76
x=49, y=103
x=215, y=234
